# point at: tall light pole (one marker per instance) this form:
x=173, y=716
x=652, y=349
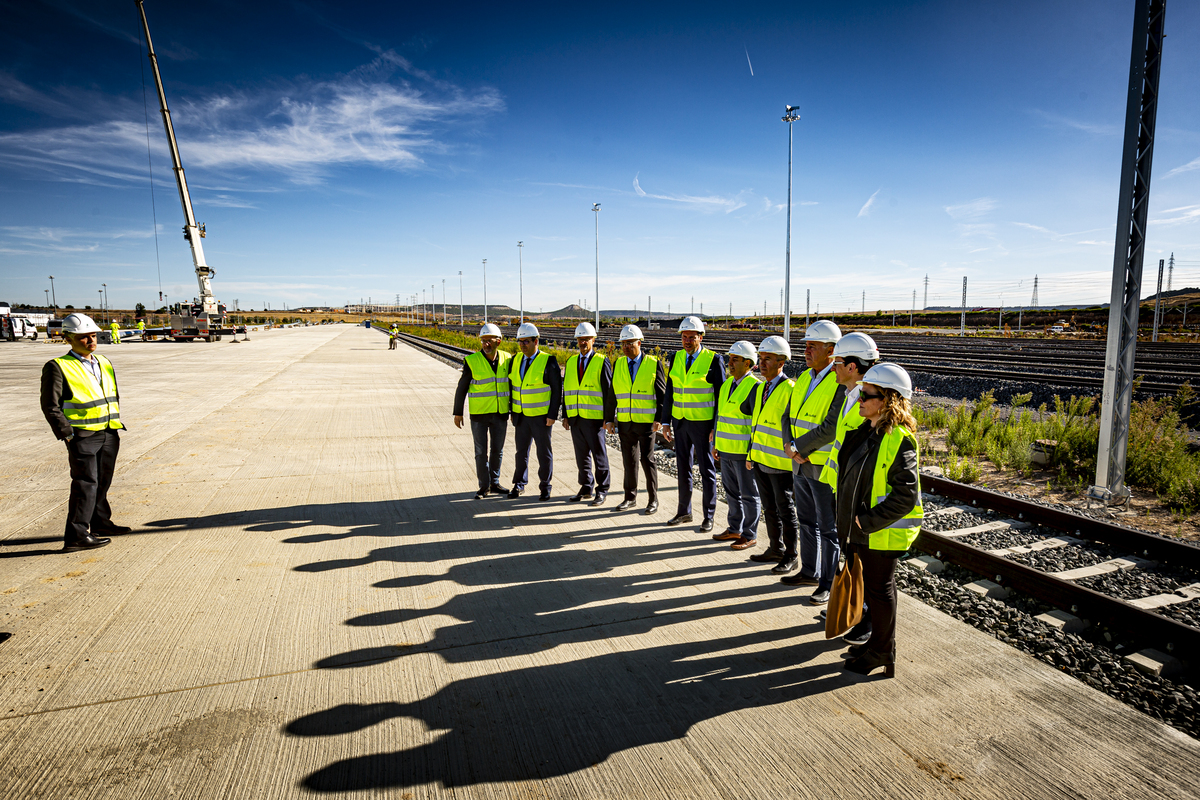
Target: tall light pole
x=101, y=292
x=432, y=303
x=47, y=291
x=54, y=298
x=521, y=279
x=461, y=322
x=485, y=319
x=106, y=305
x=596, y=209
x=790, y=115
x=445, y=314
x=424, y=316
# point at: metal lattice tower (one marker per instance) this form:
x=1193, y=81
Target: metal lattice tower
x=926, y=303
x=1170, y=271
x=1034, y=301
x=962, y=321
x=1141, y=111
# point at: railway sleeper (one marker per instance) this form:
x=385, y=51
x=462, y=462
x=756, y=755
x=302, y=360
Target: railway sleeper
x=996, y=525
x=1051, y=543
x=1180, y=595
x=1105, y=567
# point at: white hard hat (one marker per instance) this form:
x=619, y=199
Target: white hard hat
x=692, y=324
x=856, y=345
x=743, y=349
x=823, y=331
x=490, y=330
x=777, y=345
x=631, y=332
x=527, y=331
x=79, y=323
x=889, y=376
x=584, y=329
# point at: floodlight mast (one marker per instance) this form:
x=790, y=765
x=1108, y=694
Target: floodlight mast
x=191, y=231
x=791, y=114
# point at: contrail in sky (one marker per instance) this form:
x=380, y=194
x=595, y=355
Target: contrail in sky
x=748, y=61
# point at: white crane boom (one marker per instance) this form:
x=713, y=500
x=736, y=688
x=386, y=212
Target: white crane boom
x=191, y=231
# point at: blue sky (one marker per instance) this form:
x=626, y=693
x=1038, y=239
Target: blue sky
x=346, y=151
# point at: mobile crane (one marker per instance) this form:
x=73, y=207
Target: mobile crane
x=205, y=318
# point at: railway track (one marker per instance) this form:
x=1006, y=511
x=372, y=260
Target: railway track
x=999, y=538
x=1162, y=366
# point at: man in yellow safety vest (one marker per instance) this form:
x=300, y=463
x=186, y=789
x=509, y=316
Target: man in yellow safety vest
x=816, y=401
x=639, y=390
x=587, y=401
x=536, y=382
x=693, y=381
x=484, y=384
x=81, y=402
x=731, y=446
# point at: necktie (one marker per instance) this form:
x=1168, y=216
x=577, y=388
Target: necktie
x=582, y=366
x=524, y=366
x=690, y=359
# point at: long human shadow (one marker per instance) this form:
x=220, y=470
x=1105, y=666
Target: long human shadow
x=550, y=720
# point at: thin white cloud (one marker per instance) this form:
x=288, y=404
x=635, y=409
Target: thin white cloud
x=975, y=209
x=385, y=113
x=41, y=240
x=1188, y=167
x=1094, y=242
x=1053, y=120
x=1182, y=214
x=1037, y=228
x=866, y=209
x=705, y=203
x=898, y=262
x=748, y=61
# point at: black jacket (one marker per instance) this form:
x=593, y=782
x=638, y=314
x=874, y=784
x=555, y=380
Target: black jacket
x=856, y=468
x=464, y=386
x=55, y=392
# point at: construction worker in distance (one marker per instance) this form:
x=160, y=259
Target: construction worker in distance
x=853, y=356
x=587, y=388
x=484, y=385
x=81, y=402
x=731, y=446
x=768, y=406
x=639, y=389
x=693, y=381
x=141, y=326
x=816, y=399
x=115, y=332
x=536, y=382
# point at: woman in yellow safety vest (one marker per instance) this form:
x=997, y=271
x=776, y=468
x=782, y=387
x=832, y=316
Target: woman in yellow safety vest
x=879, y=504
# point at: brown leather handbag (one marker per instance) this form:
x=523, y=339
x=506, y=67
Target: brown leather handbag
x=845, y=607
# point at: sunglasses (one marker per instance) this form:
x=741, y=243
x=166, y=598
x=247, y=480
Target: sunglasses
x=870, y=396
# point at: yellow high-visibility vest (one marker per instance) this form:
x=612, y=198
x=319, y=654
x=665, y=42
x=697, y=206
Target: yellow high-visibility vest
x=692, y=396
x=584, y=398
x=766, y=437
x=809, y=409
x=635, y=399
x=903, y=532
x=91, y=407
x=488, y=393
x=531, y=393
x=732, y=435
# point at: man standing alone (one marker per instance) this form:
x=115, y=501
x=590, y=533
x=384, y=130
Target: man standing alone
x=484, y=383
x=81, y=402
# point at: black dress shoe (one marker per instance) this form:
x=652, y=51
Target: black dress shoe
x=545, y=495
x=599, y=499
x=785, y=566
x=482, y=493
x=869, y=661
x=88, y=542
x=767, y=556
x=496, y=488
x=679, y=519
x=706, y=526
x=799, y=579
x=625, y=505
x=110, y=530
x=580, y=496
x=514, y=493
x=652, y=508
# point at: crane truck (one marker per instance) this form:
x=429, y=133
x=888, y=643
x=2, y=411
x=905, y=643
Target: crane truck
x=204, y=318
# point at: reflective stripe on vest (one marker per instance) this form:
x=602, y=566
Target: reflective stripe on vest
x=91, y=407
x=489, y=392
x=531, y=394
x=732, y=435
x=584, y=399
x=849, y=419
x=635, y=399
x=903, y=532
x=766, y=437
x=692, y=396
x=808, y=413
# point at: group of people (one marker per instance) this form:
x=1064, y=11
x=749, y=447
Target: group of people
x=828, y=461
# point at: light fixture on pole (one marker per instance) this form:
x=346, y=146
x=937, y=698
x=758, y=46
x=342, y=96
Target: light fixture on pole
x=596, y=209
x=791, y=114
x=485, y=319
x=432, y=303
x=521, y=279
x=101, y=293
x=461, y=323
x=423, y=314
